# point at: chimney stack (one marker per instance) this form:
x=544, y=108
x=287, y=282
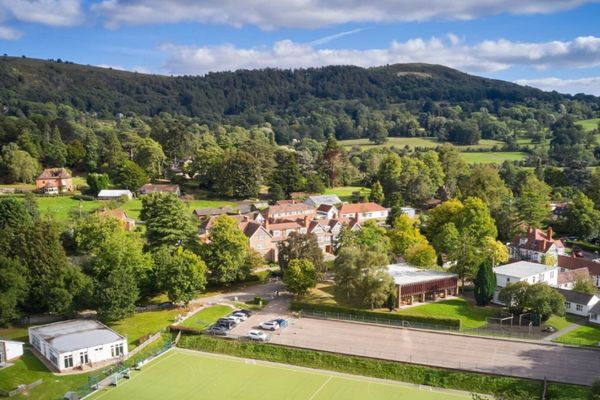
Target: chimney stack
x=549, y=233
x=306, y=220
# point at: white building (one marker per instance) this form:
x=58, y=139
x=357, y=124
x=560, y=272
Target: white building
x=363, y=211
x=578, y=303
x=524, y=271
x=77, y=343
x=112, y=194
x=10, y=350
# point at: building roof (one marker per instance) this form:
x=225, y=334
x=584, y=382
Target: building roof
x=11, y=341
x=536, y=240
x=118, y=214
x=404, y=274
x=573, y=275
x=158, y=188
x=54, y=173
x=114, y=193
x=522, y=269
x=325, y=208
x=207, y=212
x=576, y=297
x=596, y=308
x=66, y=336
x=288, y=208
x=569, y=262
x=360, y=208
x=330, y=199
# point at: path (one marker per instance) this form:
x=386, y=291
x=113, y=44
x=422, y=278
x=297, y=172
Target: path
x=564, y=331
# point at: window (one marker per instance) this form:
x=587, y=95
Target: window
x=35, y=341
x=551, y=274
x=83, y=357
x=507, y=281
x=567, y=304
x=260, y=246
x=276, y=233
x=579, y=307
x=594, y=316
x=53, y=357
x=68, y=361
x=116, y=350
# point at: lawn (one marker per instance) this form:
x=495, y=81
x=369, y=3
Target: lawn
x=345, y=192
x=497, y=157
x=417, y=142
x=206, y=317
x=559, y=322
x=187, y=375
x=29, y=369
x=588, y=124
x=133, y=208
x=14, y=333
x=471, y=316
x=62, y=208
x=144, y=323
x=585, y=335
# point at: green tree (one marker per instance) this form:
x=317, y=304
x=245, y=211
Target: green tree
x=226, y=251
x=454, y=167
x=584, y=286
x=287, y=173
x=13, y=288
x=314, y=183
x=514, y=296
x=300, y=276
x=484, y=181
x=17, y=165
x=533, y=203
x=485, y=284
x=300, y=246
x=130, y=176
x=404, y=234
x=150, y=156
x=421, y=254
x=206, y=165
x=97, y=182
x=240, y=175
x=581, y=218
x=544, y=300
x=13, y=213
x=180, y=273
x=167, y=221
x=376, y=194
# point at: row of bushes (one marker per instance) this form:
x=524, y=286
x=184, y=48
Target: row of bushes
x=503, y=387
x=450, y=323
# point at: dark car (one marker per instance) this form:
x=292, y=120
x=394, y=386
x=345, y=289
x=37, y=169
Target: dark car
x=217, y=330
x=225, y=323
x=282, y=322
x=243, y=311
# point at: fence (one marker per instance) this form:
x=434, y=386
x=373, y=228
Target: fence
x=375, y=320
x=20, y=389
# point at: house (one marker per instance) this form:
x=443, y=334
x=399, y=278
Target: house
x=523, y=271
x=567, y=278
x=260, y=240
x=291, y=210
x=327, y=211
x=159, y=188
x=54, y=181
x=10, y=350
x=363, y=212
x=328, y=199
x=415, y=284
x=120, y=215
x=411, y=212
x=594, y=316
x=578, y=303
x=77, y=343
x=112, y=194
x=569, y=263
x=534, y=245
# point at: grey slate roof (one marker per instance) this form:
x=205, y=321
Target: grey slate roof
x=576, y=297
x=67, y=336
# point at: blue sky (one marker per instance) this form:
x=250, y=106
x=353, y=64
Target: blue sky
x=551, y=44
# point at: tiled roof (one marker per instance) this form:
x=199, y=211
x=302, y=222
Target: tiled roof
x=360, y=208
x=569, y=262
x=54, y=173
x=288, y=208
x=536, y=240
x=325, y=208
x=573, y=275
x=151, y=188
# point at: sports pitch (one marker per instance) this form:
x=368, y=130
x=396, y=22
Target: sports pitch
x=180, y=374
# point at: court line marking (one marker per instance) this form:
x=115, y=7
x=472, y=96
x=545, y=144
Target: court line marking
x=320, y=388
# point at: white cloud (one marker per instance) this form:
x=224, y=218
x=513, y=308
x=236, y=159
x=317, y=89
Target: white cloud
x=487, y=56
x=7, y=33
x=47, y=12
x=589, y=85
x=268, y=14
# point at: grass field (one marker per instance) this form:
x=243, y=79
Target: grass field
x=588, y=124
x=497, y=157
x=187, y=375
x=144, y=323
x=416, y=142
x=561, y=322
x=134, y=207
x=586, y=335
x=471, y=316
x=345, y=192
x=206, y=317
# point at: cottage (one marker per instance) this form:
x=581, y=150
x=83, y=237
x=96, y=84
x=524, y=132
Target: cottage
x=569, y=263
x=523, y=271
x=77, y=343
x=111, y=194
x=327, y=211
x=568, y=278
x=415, y=284
x=10, y=350
x=289, y=210
x=578, y=303
x=534, y=245
x=363, y=212
x=54, y=181
x=159, y=188
x=121, y=216
x=327, y=199
x=594, y=316
x=411, y=212
x=260, y=240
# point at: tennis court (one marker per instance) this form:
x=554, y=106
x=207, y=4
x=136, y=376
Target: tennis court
x=181, y=374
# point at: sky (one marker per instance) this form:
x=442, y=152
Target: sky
x=550, y=44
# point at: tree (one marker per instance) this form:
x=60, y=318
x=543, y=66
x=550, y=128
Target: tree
x=485, y=284
x=461, y=132
x=514, y=295
x=314, y=183
x=180, y=273
x=454, y=167
x=484, y=181
x=240, y=175
x=581, y=218
x=533, y=203
x=584, y=286
x=131, y=176
x=13, y=288
x=376, y=194
x=13, y=213
x=299, y=276
x=150, y=157
x=286, y=173
x=300, y=246
x=404, y=234
x=544, y=300
x=167, y=222
x=17, y=165
x=276, y=193
x=226, y=251
x=421, y=254
x=97, y=182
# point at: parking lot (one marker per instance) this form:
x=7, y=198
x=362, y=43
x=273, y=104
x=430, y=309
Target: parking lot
x=497, y=356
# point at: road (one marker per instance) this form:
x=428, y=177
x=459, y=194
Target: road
x=496, y=356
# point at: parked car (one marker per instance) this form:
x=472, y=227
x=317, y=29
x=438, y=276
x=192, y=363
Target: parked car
x=549, y=329
x=272, y=325
x=282, y=322
x=577, y=252
x=244, y=311
x=257, y=335
x=233, y=318
x=218, y=330
x=226, y=323
x=240, y=315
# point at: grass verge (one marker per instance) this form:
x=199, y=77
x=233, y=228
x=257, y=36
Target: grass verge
x=585, y=335
x=206, y=317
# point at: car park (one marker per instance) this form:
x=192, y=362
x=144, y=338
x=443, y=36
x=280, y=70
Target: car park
x=269, y=325
x=240, y=315
x=257, y=335
x=218, y=330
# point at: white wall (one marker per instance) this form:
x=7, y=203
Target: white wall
x=571, y=308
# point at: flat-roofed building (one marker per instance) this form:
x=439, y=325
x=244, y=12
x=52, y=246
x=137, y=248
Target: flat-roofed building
x=416, y=284
x=77, y=343
x=524, y=271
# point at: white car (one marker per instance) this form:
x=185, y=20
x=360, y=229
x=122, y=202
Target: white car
x=233, y=318
x=258, y=335
x=240, y=315
x=269, y=325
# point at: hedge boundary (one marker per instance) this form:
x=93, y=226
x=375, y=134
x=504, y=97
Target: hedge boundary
x=501, y=386
x=450, y=323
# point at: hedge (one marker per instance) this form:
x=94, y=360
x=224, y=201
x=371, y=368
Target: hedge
x=503, y=387
x=449, y=323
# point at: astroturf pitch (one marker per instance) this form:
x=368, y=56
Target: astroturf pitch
x=185, y=375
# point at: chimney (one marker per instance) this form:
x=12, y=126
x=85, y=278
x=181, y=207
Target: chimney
x=267, y=223
x=549, y=233
x=306, y=220
x=530, y=229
